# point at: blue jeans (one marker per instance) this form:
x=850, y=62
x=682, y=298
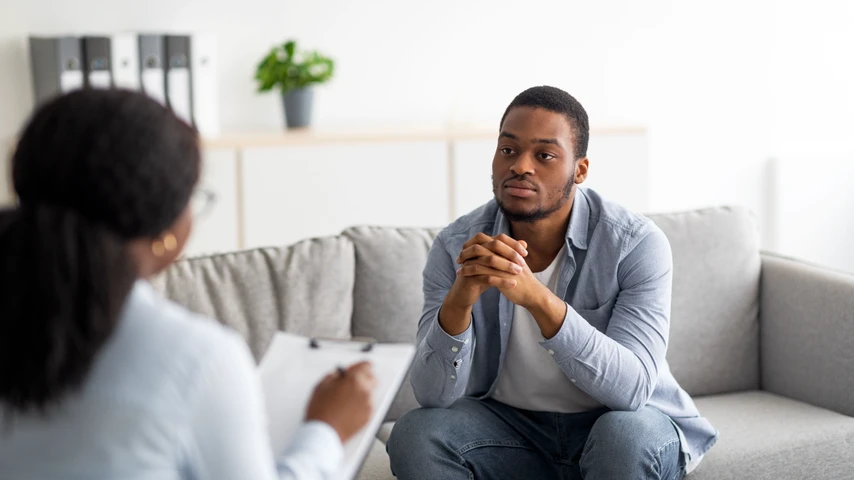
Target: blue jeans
x=486, y=439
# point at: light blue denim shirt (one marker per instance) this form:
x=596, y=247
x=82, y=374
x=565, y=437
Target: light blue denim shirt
x=172, y=395
x=613, y=341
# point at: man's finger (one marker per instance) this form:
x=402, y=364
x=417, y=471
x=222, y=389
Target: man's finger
x=473, y=251
x=492, y=247
x=476, y=269
x=478, y=239
x=497, y=282
x=514, y=244
x=496, y=262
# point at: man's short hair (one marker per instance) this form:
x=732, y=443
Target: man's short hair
x=556, y=100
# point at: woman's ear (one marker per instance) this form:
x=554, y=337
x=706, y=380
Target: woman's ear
x=153, y=255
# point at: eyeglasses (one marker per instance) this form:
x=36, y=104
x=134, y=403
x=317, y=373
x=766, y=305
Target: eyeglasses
x=202, y=202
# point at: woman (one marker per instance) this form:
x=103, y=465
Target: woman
x=99, y=376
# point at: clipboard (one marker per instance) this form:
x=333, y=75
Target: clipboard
x=292, y=367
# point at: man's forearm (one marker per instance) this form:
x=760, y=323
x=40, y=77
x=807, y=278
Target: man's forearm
x=454, y=320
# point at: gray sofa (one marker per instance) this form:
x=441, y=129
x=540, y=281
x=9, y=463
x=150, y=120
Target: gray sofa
x=764, y=344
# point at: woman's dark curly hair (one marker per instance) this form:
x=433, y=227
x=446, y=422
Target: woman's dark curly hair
x=93, y=169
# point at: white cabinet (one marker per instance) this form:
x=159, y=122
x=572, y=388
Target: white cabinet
x=218, y=230
x=300, y=191
x=619, y=170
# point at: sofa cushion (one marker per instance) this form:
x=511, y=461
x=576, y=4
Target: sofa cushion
x=304, y=289
x=766, y=436
x=714, y=328
x=377, y=465
x=389, y=264
x=762, y=436
x=387, y=289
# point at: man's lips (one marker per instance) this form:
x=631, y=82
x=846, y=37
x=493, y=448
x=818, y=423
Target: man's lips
x=520, y=189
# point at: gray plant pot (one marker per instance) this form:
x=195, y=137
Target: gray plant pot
x=298, y=103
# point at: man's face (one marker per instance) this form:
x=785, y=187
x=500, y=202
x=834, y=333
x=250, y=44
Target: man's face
x=533, y=172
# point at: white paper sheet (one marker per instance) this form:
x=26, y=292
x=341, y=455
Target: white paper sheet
x=291, y=369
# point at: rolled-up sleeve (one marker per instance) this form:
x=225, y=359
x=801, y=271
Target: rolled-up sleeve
x=619, y=367
x=442, y=362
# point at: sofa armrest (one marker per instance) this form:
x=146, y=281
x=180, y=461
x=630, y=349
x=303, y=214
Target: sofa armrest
x=807, y=333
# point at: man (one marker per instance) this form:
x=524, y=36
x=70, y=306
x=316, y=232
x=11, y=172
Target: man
x=541, y=346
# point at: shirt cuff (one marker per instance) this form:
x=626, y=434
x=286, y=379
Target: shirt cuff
x=571, y=338
x=451, y=347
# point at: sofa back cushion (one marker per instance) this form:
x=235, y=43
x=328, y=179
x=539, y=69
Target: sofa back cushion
x=306, y=288
x=387, y=290
x=714, y=320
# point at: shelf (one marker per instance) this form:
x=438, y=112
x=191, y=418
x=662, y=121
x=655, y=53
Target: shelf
x=375, y=135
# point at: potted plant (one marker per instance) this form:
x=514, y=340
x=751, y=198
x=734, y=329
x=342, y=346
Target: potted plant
x=294, y=73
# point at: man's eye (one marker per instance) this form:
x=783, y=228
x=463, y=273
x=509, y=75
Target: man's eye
x=507, y=151
x=546, y=156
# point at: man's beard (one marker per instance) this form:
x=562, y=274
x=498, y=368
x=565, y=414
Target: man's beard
x=540, y=212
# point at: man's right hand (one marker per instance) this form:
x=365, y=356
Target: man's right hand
x=344, y=401
x=485, y=262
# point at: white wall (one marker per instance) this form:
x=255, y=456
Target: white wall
x=722, y=86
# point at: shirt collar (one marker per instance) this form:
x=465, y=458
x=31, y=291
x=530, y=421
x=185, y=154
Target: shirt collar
x=579, y=219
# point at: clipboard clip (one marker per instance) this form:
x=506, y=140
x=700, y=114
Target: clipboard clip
x=364, y=344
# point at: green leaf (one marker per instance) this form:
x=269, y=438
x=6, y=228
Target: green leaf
x=287, y=68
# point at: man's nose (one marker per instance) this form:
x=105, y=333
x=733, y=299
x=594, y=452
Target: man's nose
x=524, y=165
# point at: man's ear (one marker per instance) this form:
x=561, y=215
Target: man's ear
x=581, y=166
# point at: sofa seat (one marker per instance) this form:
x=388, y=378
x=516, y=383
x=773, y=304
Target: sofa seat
x=767, y=436
x=762, y=436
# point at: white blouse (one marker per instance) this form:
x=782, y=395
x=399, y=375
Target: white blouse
x=172, y=395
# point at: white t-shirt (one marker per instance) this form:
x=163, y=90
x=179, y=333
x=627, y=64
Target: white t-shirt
x=529, y=378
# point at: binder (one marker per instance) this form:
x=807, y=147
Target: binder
x=124, y=61
x=178, y=77
x=203, y=68
x=292, y=367
x=56, y=66
x=96, y=62
x=151, y=67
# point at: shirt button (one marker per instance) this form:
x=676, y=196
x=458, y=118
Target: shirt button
x=467, y=341
x=455, y=349
x=453, y=377
x=551, y=352
x=572, y=380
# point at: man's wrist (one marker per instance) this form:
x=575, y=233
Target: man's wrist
x=454, y=320
x=549, y=311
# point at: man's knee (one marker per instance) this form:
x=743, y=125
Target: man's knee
x=629, y=438
x=637, y=428
x=417, y=432
x=417, y=442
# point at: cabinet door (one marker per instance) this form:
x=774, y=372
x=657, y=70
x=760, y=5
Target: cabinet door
x=619, y=170
x=297, y=192
x=216, y=230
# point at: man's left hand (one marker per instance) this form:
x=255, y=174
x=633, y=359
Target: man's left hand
x=528, y=289
x=548, y=309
